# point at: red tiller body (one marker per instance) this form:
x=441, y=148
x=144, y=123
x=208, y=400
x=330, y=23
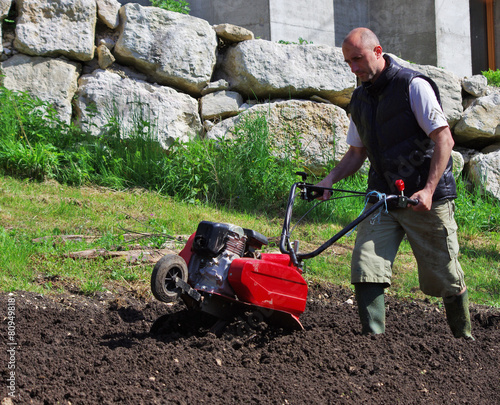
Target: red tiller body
x=270, y=282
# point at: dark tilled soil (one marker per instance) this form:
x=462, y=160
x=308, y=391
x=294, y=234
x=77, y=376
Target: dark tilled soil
x=79, y=350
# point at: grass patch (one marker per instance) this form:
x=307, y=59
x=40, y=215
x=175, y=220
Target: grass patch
x=31, y=210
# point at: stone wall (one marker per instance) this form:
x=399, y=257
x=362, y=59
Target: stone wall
x=189, y=79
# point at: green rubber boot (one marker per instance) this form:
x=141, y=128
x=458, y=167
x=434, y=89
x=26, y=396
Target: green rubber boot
x=458, y=315
x=371, y=307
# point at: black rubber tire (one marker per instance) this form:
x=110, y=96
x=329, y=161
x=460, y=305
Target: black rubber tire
x=163, y=277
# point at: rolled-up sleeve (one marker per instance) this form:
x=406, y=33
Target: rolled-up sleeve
x=425, y=106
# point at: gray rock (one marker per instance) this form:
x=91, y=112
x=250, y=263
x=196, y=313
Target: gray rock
x=5, y=6
x=172, y=48
x=212, y=87
x=51, y=80
x=107, y=11
x=480, y=123
x=104, y=56
x=458, y=163
x=4, y=12
x=233, y=33
x=266, y=70
x=220, y=105
x=167, y=114
x=484, y=172
x=476, y=85
x=47, y=28
x=318, y=130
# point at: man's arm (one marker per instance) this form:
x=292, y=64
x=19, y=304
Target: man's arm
x=442, y=151
x=350, y=164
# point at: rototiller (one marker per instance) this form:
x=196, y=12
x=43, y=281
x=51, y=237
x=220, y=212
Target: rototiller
x=221, y=272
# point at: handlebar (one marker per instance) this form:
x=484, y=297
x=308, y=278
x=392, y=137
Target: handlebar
x=311, y=192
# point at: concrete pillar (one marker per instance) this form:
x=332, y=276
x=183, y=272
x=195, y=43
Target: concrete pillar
x=453, y=36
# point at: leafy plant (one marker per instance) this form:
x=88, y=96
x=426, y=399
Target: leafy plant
x=493, y=77
x=243, y=171
x=179, y=6
x=302, y=41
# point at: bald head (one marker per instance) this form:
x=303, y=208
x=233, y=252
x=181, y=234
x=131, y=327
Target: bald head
x=363, y=38
x=363, y=53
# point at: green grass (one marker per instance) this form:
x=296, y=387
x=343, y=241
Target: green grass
x=493, y=77
x=30, y=210
x=56, y=180
x=241, y=173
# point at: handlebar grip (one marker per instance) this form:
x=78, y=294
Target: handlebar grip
x=311, y=192
x=412, y=201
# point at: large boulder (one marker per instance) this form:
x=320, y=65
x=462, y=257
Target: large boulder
x=480, y=123
x=484, y=172
x=108, y=12
x=267, y=70
x=56, y=28
x=174, y=49
x=318, y=130
x=105, y=96
x=476, y=85
x=449, y=84
x=51, y=80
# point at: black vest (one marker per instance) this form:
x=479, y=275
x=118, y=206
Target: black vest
x=396, y=145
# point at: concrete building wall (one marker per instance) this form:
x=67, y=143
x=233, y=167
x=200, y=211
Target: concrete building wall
x=433, y=32
x=349, y=15
x=453, y=36
x=273, y=20
x=294, y=19
x=406, y=28
x=426, y=31
x=253, y=15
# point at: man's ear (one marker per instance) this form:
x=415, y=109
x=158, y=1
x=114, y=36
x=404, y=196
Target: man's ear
x=378, y=51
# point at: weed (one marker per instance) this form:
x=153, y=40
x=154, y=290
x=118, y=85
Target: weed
x=91, y=287
x=302, y=41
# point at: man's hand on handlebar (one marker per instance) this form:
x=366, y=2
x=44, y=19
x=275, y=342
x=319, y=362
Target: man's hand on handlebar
x=326, y=194
x=424, y=200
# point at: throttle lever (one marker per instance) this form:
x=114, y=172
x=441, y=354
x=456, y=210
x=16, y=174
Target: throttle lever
x=403, y=201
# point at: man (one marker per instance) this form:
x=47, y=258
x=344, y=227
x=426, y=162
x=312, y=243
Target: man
x=397, y=122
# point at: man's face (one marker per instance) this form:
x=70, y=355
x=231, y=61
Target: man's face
x=365, y=62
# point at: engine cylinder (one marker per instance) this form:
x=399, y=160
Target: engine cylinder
x=215, y=246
